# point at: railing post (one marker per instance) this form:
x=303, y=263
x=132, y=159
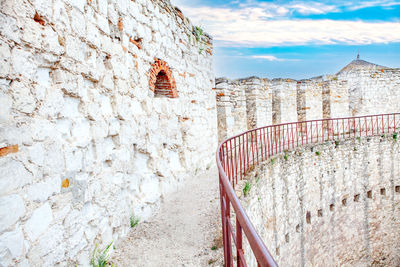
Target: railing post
x=239, y=243
x=222, y=203
x=227, y=216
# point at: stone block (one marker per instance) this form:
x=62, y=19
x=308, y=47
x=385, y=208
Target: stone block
x=13, y=175
x=75, y=48
x=25, y=101
x=81, y=134
x=150, y=189
x=47, y=246
x=43, y=8
x=93, y=34
x=23, y=62
x=73, y=160
x=43, y=190
x=71, y=108
x=13, y=241
x=102, y=23
x=5, y=59
x=79, y=4
x=60, y=16
x=12, y=208
x=9, y=28
x=38, y=223
x=5, y=111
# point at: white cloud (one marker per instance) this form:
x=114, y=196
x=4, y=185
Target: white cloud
x=268, y=57
x=257, y=26
x=365, y=4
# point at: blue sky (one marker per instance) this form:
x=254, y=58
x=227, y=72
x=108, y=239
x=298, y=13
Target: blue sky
x=296, y=39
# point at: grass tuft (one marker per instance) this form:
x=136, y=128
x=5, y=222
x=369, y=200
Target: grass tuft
x=246, y=188
x=100, y=257
x=133, y=221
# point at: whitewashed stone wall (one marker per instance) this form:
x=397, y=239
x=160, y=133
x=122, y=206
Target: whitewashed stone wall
x=310, y=91
x=231, y=108
x=84, y=144
x=334, y=204
x=335, y=98
x=355, y=91
x=258, y=102
x=372, y=91
x=284, y=101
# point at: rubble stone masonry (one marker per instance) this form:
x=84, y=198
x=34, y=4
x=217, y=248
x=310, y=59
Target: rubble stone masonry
x=333, y=204
x=84, y=142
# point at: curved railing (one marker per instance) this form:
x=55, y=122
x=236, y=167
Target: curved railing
x=242, y=152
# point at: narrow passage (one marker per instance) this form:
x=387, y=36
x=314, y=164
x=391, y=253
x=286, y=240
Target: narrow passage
x=185, y=232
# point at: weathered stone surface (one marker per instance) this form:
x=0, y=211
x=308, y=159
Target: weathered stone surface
x=75, y=97
x=13, y=241
x=13, y=175
x=12, y=208
x=43, y=190
x=38, y=222
x=338, y=203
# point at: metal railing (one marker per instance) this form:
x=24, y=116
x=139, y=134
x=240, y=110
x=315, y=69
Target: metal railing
x=242, y=152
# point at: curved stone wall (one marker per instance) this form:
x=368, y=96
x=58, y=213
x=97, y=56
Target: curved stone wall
x=84, y=143
x=333, y=204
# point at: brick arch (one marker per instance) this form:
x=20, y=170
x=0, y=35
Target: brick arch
x=162, y=83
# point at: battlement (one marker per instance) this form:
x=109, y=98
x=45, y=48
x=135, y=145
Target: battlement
x=360, y=88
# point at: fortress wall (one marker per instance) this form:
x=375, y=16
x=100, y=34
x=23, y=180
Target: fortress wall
x=258, y=103
x=373, y=91
x=334, y=203
x=84, y=142
x=310, y=106
x=232, y=108
x=284, y=101
x=335, y=99
x=354, y=92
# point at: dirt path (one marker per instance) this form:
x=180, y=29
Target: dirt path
x=185, y=232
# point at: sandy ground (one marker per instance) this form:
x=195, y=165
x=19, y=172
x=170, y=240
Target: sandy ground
x=185, y=232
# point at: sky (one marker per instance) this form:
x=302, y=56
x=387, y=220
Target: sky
x=296, y=39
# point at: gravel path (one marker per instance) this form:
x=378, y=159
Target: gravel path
x=185, y=232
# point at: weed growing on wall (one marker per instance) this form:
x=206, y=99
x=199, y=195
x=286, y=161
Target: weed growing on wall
x=317, y=153
x=336, y=144
x=198, y=33
x=395, y=136
x=286, y=157
x=133, y=221
x=246, y=188
x=100, y=257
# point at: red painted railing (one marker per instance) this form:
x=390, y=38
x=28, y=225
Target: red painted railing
x=240, y=153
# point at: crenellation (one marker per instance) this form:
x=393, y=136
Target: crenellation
x=361, y=88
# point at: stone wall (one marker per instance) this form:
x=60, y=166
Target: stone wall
x=355, y=91
x=84, y=144
x=372, y=90
x=231, y=108
x=284, y=101
x=334, y=203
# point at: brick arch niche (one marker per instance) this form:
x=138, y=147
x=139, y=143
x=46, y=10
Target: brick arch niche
x=162, y=83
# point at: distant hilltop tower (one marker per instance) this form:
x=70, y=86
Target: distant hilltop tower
x=358, y=54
